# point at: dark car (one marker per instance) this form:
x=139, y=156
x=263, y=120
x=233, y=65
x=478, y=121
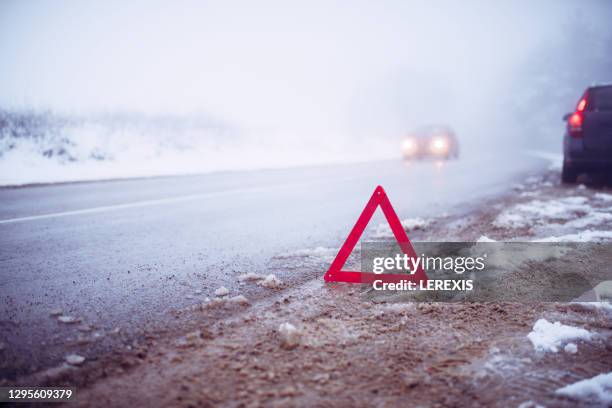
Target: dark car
x=587, y=144
x=436, y=142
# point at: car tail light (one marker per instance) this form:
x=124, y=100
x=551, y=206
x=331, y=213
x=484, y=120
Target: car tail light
x=574, y=122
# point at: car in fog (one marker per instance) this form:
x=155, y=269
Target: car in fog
x=587, y=144
x=430, y=142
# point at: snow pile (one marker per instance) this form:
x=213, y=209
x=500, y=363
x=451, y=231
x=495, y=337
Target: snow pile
x=68, y=319
x=598, y=388
x=484, y=238
x=74, y=359
x=250, y=277
x=547, y=336
x=570, y=348
x=269, y=281
x=530, y=404
x=539, y=212
x=568, y=219
x=290, y=336
x=238, y=300
x=222, y=291
x=409, y=224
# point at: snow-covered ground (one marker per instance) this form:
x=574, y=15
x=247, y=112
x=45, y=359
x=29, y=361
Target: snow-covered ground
x=40, y=148
x=575, y=218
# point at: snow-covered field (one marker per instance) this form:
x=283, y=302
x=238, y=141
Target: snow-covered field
x=44, y=148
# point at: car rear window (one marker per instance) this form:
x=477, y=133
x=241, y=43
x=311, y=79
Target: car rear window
x=600, y=99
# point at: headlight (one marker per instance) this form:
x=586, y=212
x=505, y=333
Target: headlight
x=438, y=145
x=409, y=146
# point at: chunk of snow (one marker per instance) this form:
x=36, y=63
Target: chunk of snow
x=222, y=291
x=598, y=388
x=530, y=404
x=409, y=224
x=571, y=348
x=68, y=319
x=290, y=335
x=238, y=300
x=215, y=302
x=249, y=277
x=484, y=238
x=74, y=359
x=415, y=223
x=270, y=282
x=547, y=336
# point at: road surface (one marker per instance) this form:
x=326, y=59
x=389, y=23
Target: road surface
x=119, y=255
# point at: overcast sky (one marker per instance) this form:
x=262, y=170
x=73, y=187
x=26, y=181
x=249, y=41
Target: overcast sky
x=269, y=64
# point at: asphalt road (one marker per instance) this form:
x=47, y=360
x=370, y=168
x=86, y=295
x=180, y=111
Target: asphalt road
x=121, y=254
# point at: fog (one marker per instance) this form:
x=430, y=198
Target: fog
x=321, y=73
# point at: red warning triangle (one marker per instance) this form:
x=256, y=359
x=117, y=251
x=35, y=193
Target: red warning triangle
x=335, y=272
